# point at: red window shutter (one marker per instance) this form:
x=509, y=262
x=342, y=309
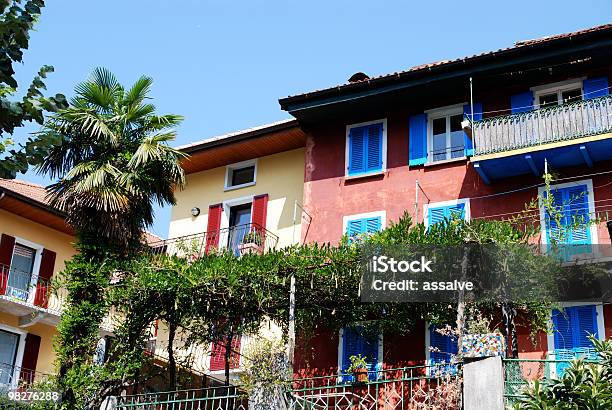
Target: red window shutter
x=7, y=244
x=217, y=355
x=214, y=223
x=47, y=266
x=30, y=359
x=260, y=211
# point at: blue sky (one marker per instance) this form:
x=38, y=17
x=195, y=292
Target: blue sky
x=223, y=65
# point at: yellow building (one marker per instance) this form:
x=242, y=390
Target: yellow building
x=243, y=193
x=34, y=244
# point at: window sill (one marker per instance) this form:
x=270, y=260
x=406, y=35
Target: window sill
x=446, y=161
x=366, y=175
x=232, y=188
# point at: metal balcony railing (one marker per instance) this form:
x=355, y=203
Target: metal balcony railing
x=543, y=126
x=18, y=286
x=239, y=239
x=15, y=377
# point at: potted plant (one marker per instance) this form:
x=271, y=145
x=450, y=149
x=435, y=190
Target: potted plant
x=251, y=242
x=359, y=368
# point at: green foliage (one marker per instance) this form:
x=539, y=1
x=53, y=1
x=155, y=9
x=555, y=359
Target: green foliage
x=265, y=365
x=17, y=19
x=114, y=162
x=358, y=362
x=583, y=385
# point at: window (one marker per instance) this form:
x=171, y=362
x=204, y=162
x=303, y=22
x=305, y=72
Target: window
x=441, y=348
x=363, y=223
x=572, y=326
x=9, y=344
x=240, y=175
x=558, y=93
x=366, y=148
x=440, y=211
x=20, y=274
x=359, y=340
x=217, y=354
x=446, y=136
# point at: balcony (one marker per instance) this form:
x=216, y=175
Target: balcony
x=239, y=239
x=21, y=296
x=571, y=134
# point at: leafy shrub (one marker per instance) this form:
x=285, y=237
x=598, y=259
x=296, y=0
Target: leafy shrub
x=583, y=385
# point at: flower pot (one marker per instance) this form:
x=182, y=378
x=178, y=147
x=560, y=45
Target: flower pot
x=483, y=345
x=361, y=375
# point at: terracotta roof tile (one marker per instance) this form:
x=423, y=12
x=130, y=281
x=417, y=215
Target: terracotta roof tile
x=30, y=190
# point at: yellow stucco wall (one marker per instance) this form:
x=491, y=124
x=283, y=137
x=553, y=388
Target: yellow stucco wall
x=53, y=240
x=47, y=333
x=281, y=176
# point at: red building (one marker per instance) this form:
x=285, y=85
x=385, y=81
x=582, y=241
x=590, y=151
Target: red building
x=379, y=146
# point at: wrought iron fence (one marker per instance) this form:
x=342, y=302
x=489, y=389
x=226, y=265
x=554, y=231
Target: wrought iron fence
x=542, y=126
x=416, y=387
x=239, y=239
x=210, y=398
x=14, y=378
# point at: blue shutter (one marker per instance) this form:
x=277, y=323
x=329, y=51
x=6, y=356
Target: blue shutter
x=372, y=224
x=417, y=141
x=577, y=212
x=467, y=111
x=440, y=213
x=447, y=347
x=355, y=227
x=554, y=231
x=571, y=330
x=456, y=211
x=595, y=87
x=521, y=102
x=351, y=346
x=435, y=215
x=355, y=342
x=374, y=148
x=357, y=141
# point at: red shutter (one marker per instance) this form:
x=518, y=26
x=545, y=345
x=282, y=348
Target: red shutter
x=7, y=244
x=30, y=359
x=217, y=355
x=47, y=266
x=214, y=223
x=260, y=212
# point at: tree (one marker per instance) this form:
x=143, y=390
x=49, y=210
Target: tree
x=112, y=164
x=16, y=22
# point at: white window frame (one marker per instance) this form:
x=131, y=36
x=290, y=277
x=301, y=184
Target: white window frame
x=550, y=337
x=557, y=88
x=232, y=167
x=590, y=197
x=382, y=214
x=347, y=147
x=452, y=202
x=379, y=363
x=442, y=112
x=35, y=268
x=20, y=351
x=243, y=340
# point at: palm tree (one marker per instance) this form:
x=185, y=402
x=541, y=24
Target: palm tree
x=112, y=166
x=114, y=161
